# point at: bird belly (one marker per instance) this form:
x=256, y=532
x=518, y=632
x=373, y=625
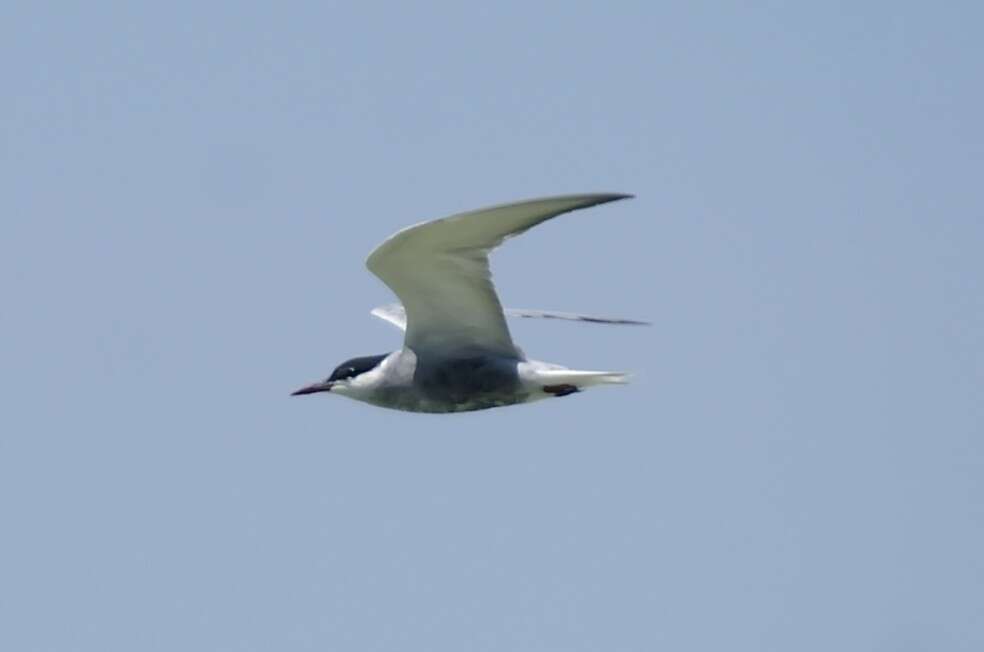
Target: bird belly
x=458, y=384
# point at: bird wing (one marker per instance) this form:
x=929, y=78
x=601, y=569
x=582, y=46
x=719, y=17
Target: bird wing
x=572, y=316
x=396, y=315
x=440, y=272
x=392, y=313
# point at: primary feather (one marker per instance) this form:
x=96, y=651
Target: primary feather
x=396, y=315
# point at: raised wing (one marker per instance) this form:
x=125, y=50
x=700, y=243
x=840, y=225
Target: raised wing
x=440, y=272
x=396, y=315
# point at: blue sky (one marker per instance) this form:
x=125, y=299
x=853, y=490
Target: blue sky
x=189, y=193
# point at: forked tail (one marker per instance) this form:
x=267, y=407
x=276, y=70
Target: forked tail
x=582, y=379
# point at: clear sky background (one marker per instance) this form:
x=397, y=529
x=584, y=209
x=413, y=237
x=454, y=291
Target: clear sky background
x=189, y=191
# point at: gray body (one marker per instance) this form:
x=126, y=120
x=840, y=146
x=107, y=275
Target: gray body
x=474, y=380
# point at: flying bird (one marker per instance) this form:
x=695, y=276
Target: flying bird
x=457, y=352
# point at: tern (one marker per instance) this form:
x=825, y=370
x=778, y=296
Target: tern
x=458, y=354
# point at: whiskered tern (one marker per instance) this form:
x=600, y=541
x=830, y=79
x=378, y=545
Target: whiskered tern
x=457, y=352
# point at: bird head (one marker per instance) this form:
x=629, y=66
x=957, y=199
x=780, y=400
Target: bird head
x=346, y=376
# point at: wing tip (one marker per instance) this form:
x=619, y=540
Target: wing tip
x=604, y=197
x=591, y=200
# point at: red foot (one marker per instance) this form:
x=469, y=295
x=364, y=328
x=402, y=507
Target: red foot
x=560, y=390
